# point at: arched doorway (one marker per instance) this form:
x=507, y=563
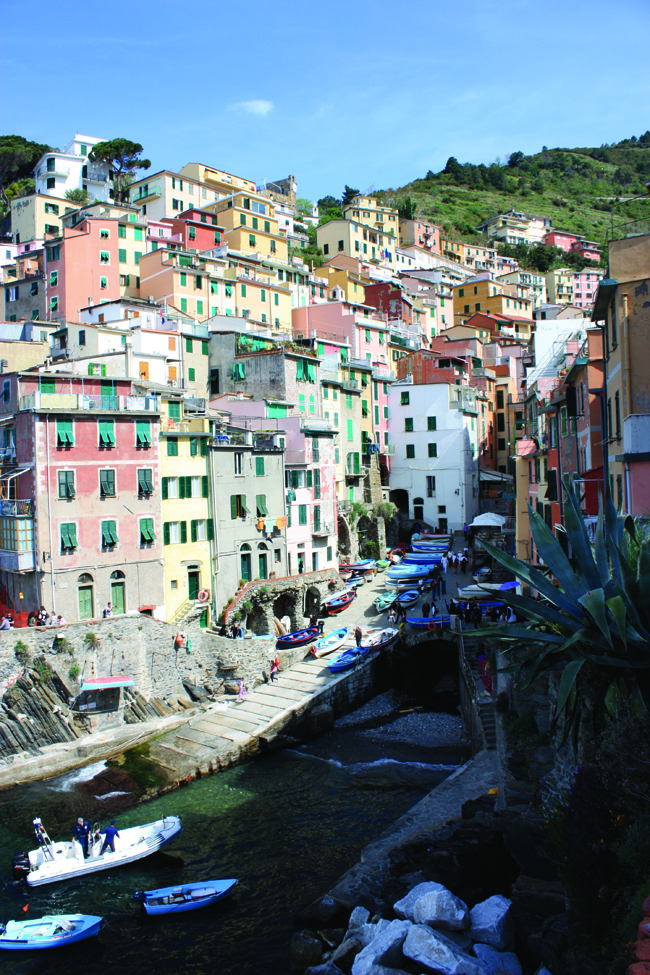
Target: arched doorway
x=245, y=565
x=400, y=499
x=86, y=596
x=418, y=509
x=262, y=561
x=344, y=536
x=118, y=591
x=312, y=601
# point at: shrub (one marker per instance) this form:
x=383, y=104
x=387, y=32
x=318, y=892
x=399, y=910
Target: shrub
x=21, y=651
x=74, y=671
x=247, y=606
x=91, y=640
x=262, y=591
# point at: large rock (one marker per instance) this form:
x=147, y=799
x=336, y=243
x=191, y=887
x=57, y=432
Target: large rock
x=441, y=909
x=358, y=919
x=405, y=907
x=306, y=950
x=327, y=968
x=491, y=922
x=326, y=912
x=346, y=952
x=497, y=962
x=384, y=949
x=433, y=950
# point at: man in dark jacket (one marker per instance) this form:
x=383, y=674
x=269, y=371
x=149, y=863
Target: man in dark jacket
x=81, y=834
x=109, y=835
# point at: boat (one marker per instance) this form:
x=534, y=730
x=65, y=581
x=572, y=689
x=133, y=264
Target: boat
x=410, y=571
x=382, y=564
x=348, y=659
x=298, y=638
x=51, y=931
x=421, y=558
x=383, y=601
x=330, y=643
x=400, y=585
x=430, y=537
x=184, y=897
x=485, y=590
x=338, y=603
x=385, y=638
x=482, y=574
x=364, y=565
x=428, y=622
x=60, y=861
x=429, y=547
x=349, y=590
x=408, y=598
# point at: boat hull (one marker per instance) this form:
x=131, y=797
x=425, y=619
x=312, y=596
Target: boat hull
x=45, y=932
x=334, y=606
x=331, y=643
x=185, y=897
x=408, y=598
x=425, y=623
x=133, y=844
x=297, y=639
x=347, y=660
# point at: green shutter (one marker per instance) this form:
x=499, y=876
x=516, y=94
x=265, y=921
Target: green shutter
x=317, y=518
x=302, y=514
x=172, y=447
x=204, y=448
x=183, y=532
x=143, y=433
x=309, y=478
x=233, y=505
x=72, y=532
x=64, y=432
x=204, y=348
x=300, y=369
x=204, y=486
x=165, y=488
x=260, y=503
x=193, y=531
x=188, y=344
x=174, y=411
x=194, y=446
x=356, y=464
x=242, y=502
x=317, y=483
x=106, y=433
x=311, y=372
x=210, y=529
x=350, y=430
x=166, y=533
x=259, y=466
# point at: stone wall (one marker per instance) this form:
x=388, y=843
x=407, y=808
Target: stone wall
x=303, y=595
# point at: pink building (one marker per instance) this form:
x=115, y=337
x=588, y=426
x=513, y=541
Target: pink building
x=81, y=512
x=196, y=230
x=420, y=233
x=585, y=285
x=82, y=268
x=562, y=239
x=587, y=249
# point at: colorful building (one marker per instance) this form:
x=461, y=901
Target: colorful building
x=57, y=172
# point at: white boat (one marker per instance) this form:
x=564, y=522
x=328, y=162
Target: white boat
x=486, y=590
x=60, y=861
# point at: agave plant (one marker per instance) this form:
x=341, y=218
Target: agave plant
x=593, y=615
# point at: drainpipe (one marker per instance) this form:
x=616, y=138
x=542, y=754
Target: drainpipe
x=627, y=390
x=49, y=506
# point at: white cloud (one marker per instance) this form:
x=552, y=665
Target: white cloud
x=256, y=106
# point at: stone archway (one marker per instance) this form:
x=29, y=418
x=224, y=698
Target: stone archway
x=312, y=601
x=348, y=540
x=400, y=499
x=289, y=603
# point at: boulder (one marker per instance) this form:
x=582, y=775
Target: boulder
x=358, y=919
x=404, y=908
x=323, y=913
x=441, y=909
x=433, y=950
x=195, y=691
x=491, y=923
x=384, y=949
x=497, y=962
x=345, y=954
x=305, y=951
x=328, y=968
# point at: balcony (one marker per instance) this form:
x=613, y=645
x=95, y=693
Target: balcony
x=146, y=192
x=322, y=531
x=315, y=423
x=7, y=454
x=352, y=472
x=61, y=402
x=350, y=384
x=58, y=170
x=16, y=561
x=95, y=176
x=23, y=508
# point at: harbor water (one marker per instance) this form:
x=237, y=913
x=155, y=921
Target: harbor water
x=287, y=826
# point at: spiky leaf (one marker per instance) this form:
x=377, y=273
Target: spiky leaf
x=567, y=680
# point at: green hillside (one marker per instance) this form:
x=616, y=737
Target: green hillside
x=587, y=191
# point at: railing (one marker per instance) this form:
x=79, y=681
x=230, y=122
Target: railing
x=350, y=384
x=87, y=401
x=13, y=509
x=7, y=453
x=57, y=171
x=95, y=176
x=315, y=423
x=322, y=530
x=153, y=190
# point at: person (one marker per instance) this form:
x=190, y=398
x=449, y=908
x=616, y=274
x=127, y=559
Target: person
x=392, y=615
x=240, y=632
x=465, y=530
x=42, y=617
x=5, y=624
x=109, y=835
x=358, y=635
x=31, y=619
x=242, y=691
x=444, y=563
x=494, y=614
x=416, y=528
x=233, y=631
x=313, y=621
x=81, y=833
x=420, y=586
x=11, y=619
x=467, y=614
x=109, y=609
x=455, y=560
x=274, y=669
x=277, y=662
x=477, y=615
x=301, y=567
x=223, y=631
x=510, y=616
x=54, y=620
x=425, y=608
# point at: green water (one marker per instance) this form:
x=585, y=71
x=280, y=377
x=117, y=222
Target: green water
x=287, y=827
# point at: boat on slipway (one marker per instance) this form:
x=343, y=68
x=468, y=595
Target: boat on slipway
x=330, y=643
x=336, y=604
x=52, y=862
x=298, y=638
x=428, y=622
x=184, y=897
x=383, y=601
x=51, y=931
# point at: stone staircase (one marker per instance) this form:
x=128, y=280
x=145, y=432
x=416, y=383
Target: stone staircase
x=484, y=701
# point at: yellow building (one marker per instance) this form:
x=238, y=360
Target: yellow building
x=367, y=210
x=37, y=216
x=486, y=296
x=224, y=183
x=559, y=286
x=349, y=281
x=188, y=521
x=356, y=240
x=251, y=226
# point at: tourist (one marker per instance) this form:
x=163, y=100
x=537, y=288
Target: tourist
x=477, y=615
x=54, y=620
x=392, y=615
x=301, y=567
x=81, y=834
x=510, y=616
x=425, y=608
x=456, y=561
x=274, y=669
x=467, y=613
x=465, y=530
x=109, y=610
x=4, y=623
x=444, y=563
x=42, y=617
x=242, y=692
x=358, y=635
x=494, y=614
x=223, y=630
x=240, y=632
x=233, y=631
x=62, y=621
x=109, y=835
x=313, y=621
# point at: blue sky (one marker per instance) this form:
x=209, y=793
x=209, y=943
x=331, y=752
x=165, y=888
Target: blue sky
x=369, y=94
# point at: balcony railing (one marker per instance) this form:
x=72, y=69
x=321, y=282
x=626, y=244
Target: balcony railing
x=87, y=401
x=21, y=508
x=322, y=530
x=149, y=190
x=95, y=176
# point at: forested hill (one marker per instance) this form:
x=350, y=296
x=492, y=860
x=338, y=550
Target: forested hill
x=586, y=191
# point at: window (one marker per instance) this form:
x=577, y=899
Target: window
x=239, y=462
x=107, y=433
x=109, y=535
x=145, y=482
x=410, y=450
x=260, y=505
x=500, y=399
x=147, y=534
x=405, y=399
x=104, y=234
x=172, y=447
x=51, y=183
x=238, y=507
x=259, y=467
x=302, y=514
x=348, y=401
x=121, y=255
x=192, y=233
x=104, y=257
x=121, y=230
x=191, y=375
x=68, y=537
x=431, y=423
x=143, y=433
x=251, y=240
x=617, y=414
x=433, y=449
x=107, y=483
x=54, y=279
x=204, y=347
x=64, y=436
x=408, y=424
x=431, y=486
x=350, y=428
x=66, y=485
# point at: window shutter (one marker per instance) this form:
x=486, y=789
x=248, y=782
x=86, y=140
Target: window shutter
x=193, y=531
x=194, y=446
x=166, y=533
x=204, y=486
x=204, y=448
x=165, y=488
x=259, y=466
x=183, y=531
x=210, y=529
x=181, y=487
x=243, y=503
x=233, y=505
x=188, y=487
x=310, y=478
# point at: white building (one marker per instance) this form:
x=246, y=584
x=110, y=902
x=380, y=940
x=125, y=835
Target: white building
x=434, y=471
x=57, y=172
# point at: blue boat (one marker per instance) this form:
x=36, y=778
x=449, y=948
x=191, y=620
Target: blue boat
x=410, y=571
x=422, y=558
x=336, y=604
x=330, y=643
x=184, y=897
x=363, y=565
x=348, y=659
x=428, y=622
x=298, y=638
x=51, y=931
x=408, y=598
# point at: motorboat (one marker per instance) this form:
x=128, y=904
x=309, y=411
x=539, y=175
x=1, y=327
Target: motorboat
x=51, y=931
x=298, y=638
x=410, y=571
x=184, y=897
x=52, y=862
x=330, y=643
x=399, y=585
x=486, y=590
x=430, y=537
x=363, y=565
x=428, y=622
x=420, y=558
x=429, y=547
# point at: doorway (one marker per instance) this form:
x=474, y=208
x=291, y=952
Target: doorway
x=118, y=592
x=263, y=572
x=85, y=602
x=193, y=583
x=442, y=525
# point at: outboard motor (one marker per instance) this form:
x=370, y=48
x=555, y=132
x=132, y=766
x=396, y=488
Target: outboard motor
x=20, y=866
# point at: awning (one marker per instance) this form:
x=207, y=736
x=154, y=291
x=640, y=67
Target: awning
x=604, y=294
x=9, y=475
x=485, y=474
x=102, y=683
x=488, y=520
